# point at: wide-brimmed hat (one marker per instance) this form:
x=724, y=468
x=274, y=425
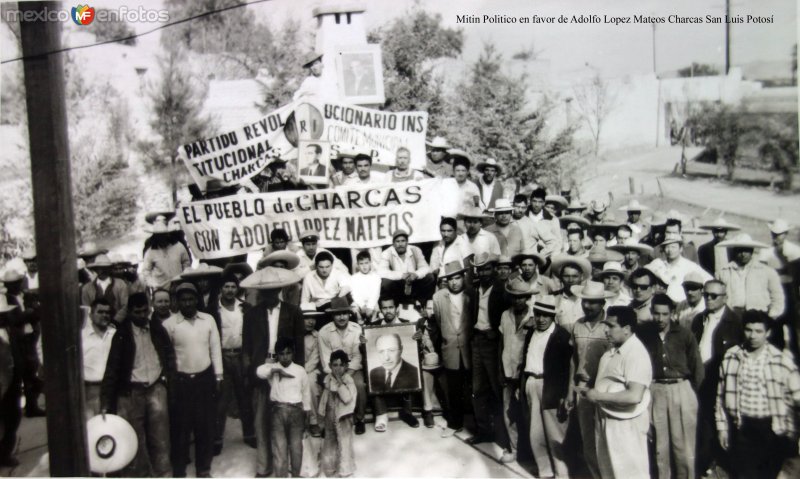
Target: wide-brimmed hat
x=658, y=272
x=502, y=205
x=658, y=219
x=742, y=241
x=591, y=290
x=112, y=443
x=567, y=219
x=634, y=205
x=431, y=361
x=241, y=268
x=694, y=278
x=338, y=305
x=451, y=268
x=557, y=199
x=575, y=205
x=133, y=259
x=613, y=267
x=458, y=155
x=11, y=275
x=159, y=225
x=504, y=259
x=100, y=261
x=483, y=259
x=604, y=228
x=489, y=162
x=720, y=224
x=598, y=206
x=470, y=211
x=203, y=269
x=28, y=254
x=545, y=305
x=532, y=254
x=270, y=277
x=151, y=216
x=118, y=260
x=187, y=287
x=671, y=238
x=90, y=249
x=311, y=58
x=308, y=234
x=518, y=287
x=438, y=142
x=310, y=311
x=603, y=255
x=779, y=226
x=558, y=261
x=675, y=215
x=291, y=259
x=612, y=384
x=640, y=247
x=399, y=233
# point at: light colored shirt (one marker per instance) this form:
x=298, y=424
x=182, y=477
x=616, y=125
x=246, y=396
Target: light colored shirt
x=458, y=250
x=568, y=311
x=319, y=291
x=469, y=191
x=273, y=317
x=487, y=189
x=537, y=236
x=674, y=273
x=628, y=363
x=161, y=265
x=513, y=341
x=409, y=175
x=686, y=312
x=146, y=364
x=393, y=266
x=307, y=264
x=589, y=343
x=483, y=242
x=706, y=340
x=756, y=286
x=232, y=325
x=456, y=307
x=349, y=341
x=196, y=342
x=753, y=400
x=287, y=390
x=365, y=290
x=482, y=323
x=95, y=352
x=534, y=362
x=311, y=344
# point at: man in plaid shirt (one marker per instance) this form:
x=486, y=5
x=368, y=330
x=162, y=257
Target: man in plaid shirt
x=758, y=398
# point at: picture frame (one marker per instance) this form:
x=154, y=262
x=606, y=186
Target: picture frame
x=382, y=352
x=313, y=161
x=359, y=74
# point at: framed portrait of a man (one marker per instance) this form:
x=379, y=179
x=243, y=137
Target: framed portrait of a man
x=313, y=161
x=359, y=72
x=392, y=359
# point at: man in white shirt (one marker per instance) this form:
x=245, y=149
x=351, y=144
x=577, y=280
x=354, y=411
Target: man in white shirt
x=348, y=174
x=364, y=171
x=310, y=241
x=508, y=233
x=686, y=310
x=674, y=267
x=489, y=186
x=198, y=358
x=229, y=313
x=479, y=240
x=96, y=343
x=613, y=281
x=405, y=273
x=538, y=214
x=365, y=287
x=291, y=408
x=402, y=170
x=324, y=283
x=451, y=248
x=470, y=195
x=535, y=235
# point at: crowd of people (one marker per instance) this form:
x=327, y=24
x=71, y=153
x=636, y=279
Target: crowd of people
x=589, y=345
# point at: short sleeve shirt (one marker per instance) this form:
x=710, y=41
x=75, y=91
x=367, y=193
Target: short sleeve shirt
x=629, y=363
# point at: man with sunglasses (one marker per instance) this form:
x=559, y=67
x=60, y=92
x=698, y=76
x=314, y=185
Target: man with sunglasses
x=717, y=329
x=642, y=283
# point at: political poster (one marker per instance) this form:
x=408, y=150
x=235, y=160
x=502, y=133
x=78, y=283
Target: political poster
x=357, y=216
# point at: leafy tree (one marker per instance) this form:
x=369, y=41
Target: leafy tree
x=698, y=70
x=595, y=102
x=410, y=44
x=113, y=29
x=720, y=127
x=490, y=116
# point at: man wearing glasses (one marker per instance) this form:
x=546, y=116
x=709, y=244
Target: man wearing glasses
x=717, y=329
x=642, y=281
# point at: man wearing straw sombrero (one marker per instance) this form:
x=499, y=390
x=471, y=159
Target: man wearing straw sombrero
x=114, y=290
x=638, y=225
x=437, y=164
x=710, y=256
x=269, y=319
x=751, y=284
x=489, y=185
x=165, y=258
x=508, y=233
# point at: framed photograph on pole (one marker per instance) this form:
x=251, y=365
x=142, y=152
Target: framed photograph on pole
x=359, y=70
x=313, y=161
x=392, y=359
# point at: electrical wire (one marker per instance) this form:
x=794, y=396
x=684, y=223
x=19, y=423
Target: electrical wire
x=130, y=37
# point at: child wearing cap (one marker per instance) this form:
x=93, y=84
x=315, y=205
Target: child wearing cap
x=337, y=405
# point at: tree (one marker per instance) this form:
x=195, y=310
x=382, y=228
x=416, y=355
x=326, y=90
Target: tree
x=719, y=127
x=490, y=116
x=410, y=45
x=595, y=101
x=698, y=70
x=113, y=29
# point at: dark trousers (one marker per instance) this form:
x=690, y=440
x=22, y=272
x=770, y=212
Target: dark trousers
x=457, y=395
x=195, y=403
x=30, y=371
x=233, y=387
x=288, y=424
x=757, y=452
x=146, y=409
x=10, y=417
x=422, y=289
x=487, y=390
x=380, y=403
x=708, y=451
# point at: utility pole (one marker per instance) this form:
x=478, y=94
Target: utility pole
x=727, y=36
x=55, y=240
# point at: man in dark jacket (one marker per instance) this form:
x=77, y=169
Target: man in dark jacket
x=258, y=347
x=717, y=329
x=487, y=388
x=140, y=363
x=544, y=383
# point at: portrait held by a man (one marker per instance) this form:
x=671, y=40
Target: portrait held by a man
x=392, y=359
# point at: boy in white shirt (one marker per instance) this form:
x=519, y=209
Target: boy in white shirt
x=365, y=289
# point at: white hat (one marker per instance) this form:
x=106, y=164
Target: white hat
x=779, y=226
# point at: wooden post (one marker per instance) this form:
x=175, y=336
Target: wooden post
x=55, y=242
x=631, y=186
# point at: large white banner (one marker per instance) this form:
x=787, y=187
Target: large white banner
x=359, y=216
x=329, y=128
